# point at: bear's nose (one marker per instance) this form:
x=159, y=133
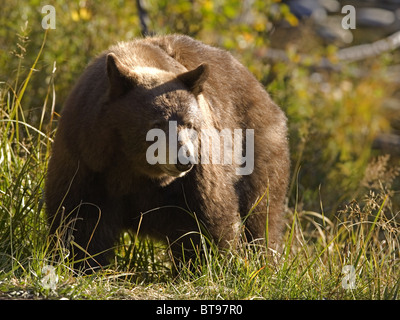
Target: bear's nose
x=183, y=167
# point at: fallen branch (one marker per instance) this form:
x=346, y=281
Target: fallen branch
x=351, y=54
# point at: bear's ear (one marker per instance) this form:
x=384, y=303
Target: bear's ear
x=194, y=79
x=118, y=76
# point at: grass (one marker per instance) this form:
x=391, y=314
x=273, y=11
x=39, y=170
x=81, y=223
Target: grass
x=353, y=254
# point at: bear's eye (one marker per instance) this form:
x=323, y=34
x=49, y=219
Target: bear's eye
x=156, y=124
x=190, y=124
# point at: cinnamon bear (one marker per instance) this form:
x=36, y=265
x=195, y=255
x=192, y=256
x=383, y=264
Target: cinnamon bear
x=135, y=149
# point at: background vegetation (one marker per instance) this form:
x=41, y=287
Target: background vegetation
x=342, y=206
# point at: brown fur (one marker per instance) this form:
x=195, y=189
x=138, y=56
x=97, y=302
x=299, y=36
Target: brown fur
x=99, y=182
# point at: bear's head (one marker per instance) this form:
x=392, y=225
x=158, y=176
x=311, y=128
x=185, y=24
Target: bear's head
x=156, y=116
